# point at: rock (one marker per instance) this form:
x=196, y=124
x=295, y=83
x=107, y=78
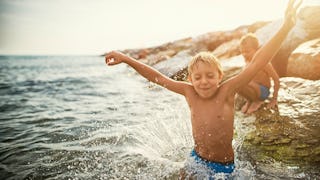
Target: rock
x=175, y=64
x=310, y=16
x=304, y=61
x=142, y=54
x=232, y=66
x=292, y=134
x=228, y=49
x=154, y=55
x=212, y=40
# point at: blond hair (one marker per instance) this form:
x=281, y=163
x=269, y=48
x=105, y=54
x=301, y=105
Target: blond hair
x=206, y=57
x=250, y=39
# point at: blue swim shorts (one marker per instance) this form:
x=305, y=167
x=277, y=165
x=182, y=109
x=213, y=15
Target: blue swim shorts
x=264, y=92
x=216, y=167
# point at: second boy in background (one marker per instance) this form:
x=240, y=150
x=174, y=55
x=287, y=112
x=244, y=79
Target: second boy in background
x=258, y=89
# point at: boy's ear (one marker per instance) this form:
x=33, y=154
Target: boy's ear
x=189, y=78
x=220, y=77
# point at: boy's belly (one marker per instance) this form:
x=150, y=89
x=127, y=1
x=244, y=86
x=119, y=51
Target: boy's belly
x=218, y=153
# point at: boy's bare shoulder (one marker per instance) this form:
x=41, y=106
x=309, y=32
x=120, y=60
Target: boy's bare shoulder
x=226, y=86
x=188, y=86
x=228, y=83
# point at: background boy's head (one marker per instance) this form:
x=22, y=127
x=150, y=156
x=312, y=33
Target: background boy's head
x=249, y=44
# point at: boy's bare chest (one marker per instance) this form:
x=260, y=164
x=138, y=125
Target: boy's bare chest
x=211, y=111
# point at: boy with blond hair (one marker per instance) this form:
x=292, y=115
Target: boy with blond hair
x=211, y=102
x=258, y=89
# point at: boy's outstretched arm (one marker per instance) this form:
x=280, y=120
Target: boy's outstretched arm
x=266, y=52
x=146, y=71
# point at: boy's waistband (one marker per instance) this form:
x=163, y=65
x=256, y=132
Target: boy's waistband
x=195, y=154
x=217, y=167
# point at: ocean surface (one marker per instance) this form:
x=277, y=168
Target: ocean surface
x=72, y=117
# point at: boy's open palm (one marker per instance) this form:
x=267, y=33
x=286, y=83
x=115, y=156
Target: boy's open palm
x=291, y=12
x=114, y=57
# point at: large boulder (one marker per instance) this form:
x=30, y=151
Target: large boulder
x=292, y=133
x=304, y=61
x=310, y=16
x=228, y=49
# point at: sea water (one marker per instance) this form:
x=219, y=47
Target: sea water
x=73, y=117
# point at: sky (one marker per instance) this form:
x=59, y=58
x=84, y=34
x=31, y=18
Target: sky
x=83, y=27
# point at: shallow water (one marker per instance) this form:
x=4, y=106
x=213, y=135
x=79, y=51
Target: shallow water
x=74, y=118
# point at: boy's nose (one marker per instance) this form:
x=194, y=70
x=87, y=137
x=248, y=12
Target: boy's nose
x=204, y=80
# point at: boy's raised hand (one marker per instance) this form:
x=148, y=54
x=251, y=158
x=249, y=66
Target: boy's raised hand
x=114, y=57
x=291, y=12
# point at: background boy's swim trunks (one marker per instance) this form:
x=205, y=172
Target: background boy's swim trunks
x=264, y=92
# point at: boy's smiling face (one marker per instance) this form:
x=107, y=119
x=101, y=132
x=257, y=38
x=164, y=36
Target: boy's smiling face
x=205, y=79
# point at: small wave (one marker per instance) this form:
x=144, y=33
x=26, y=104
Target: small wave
x=116, y=140
x=9, y=107
x=4, y=86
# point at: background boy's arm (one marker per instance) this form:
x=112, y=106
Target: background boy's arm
x=146, y=71
x=276, y=81
x=266, y=52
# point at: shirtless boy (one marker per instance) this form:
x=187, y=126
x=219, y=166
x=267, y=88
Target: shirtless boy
x=258, y=88
x=211, y=102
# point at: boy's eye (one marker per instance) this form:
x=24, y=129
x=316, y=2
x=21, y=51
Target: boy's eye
x=197, y=77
